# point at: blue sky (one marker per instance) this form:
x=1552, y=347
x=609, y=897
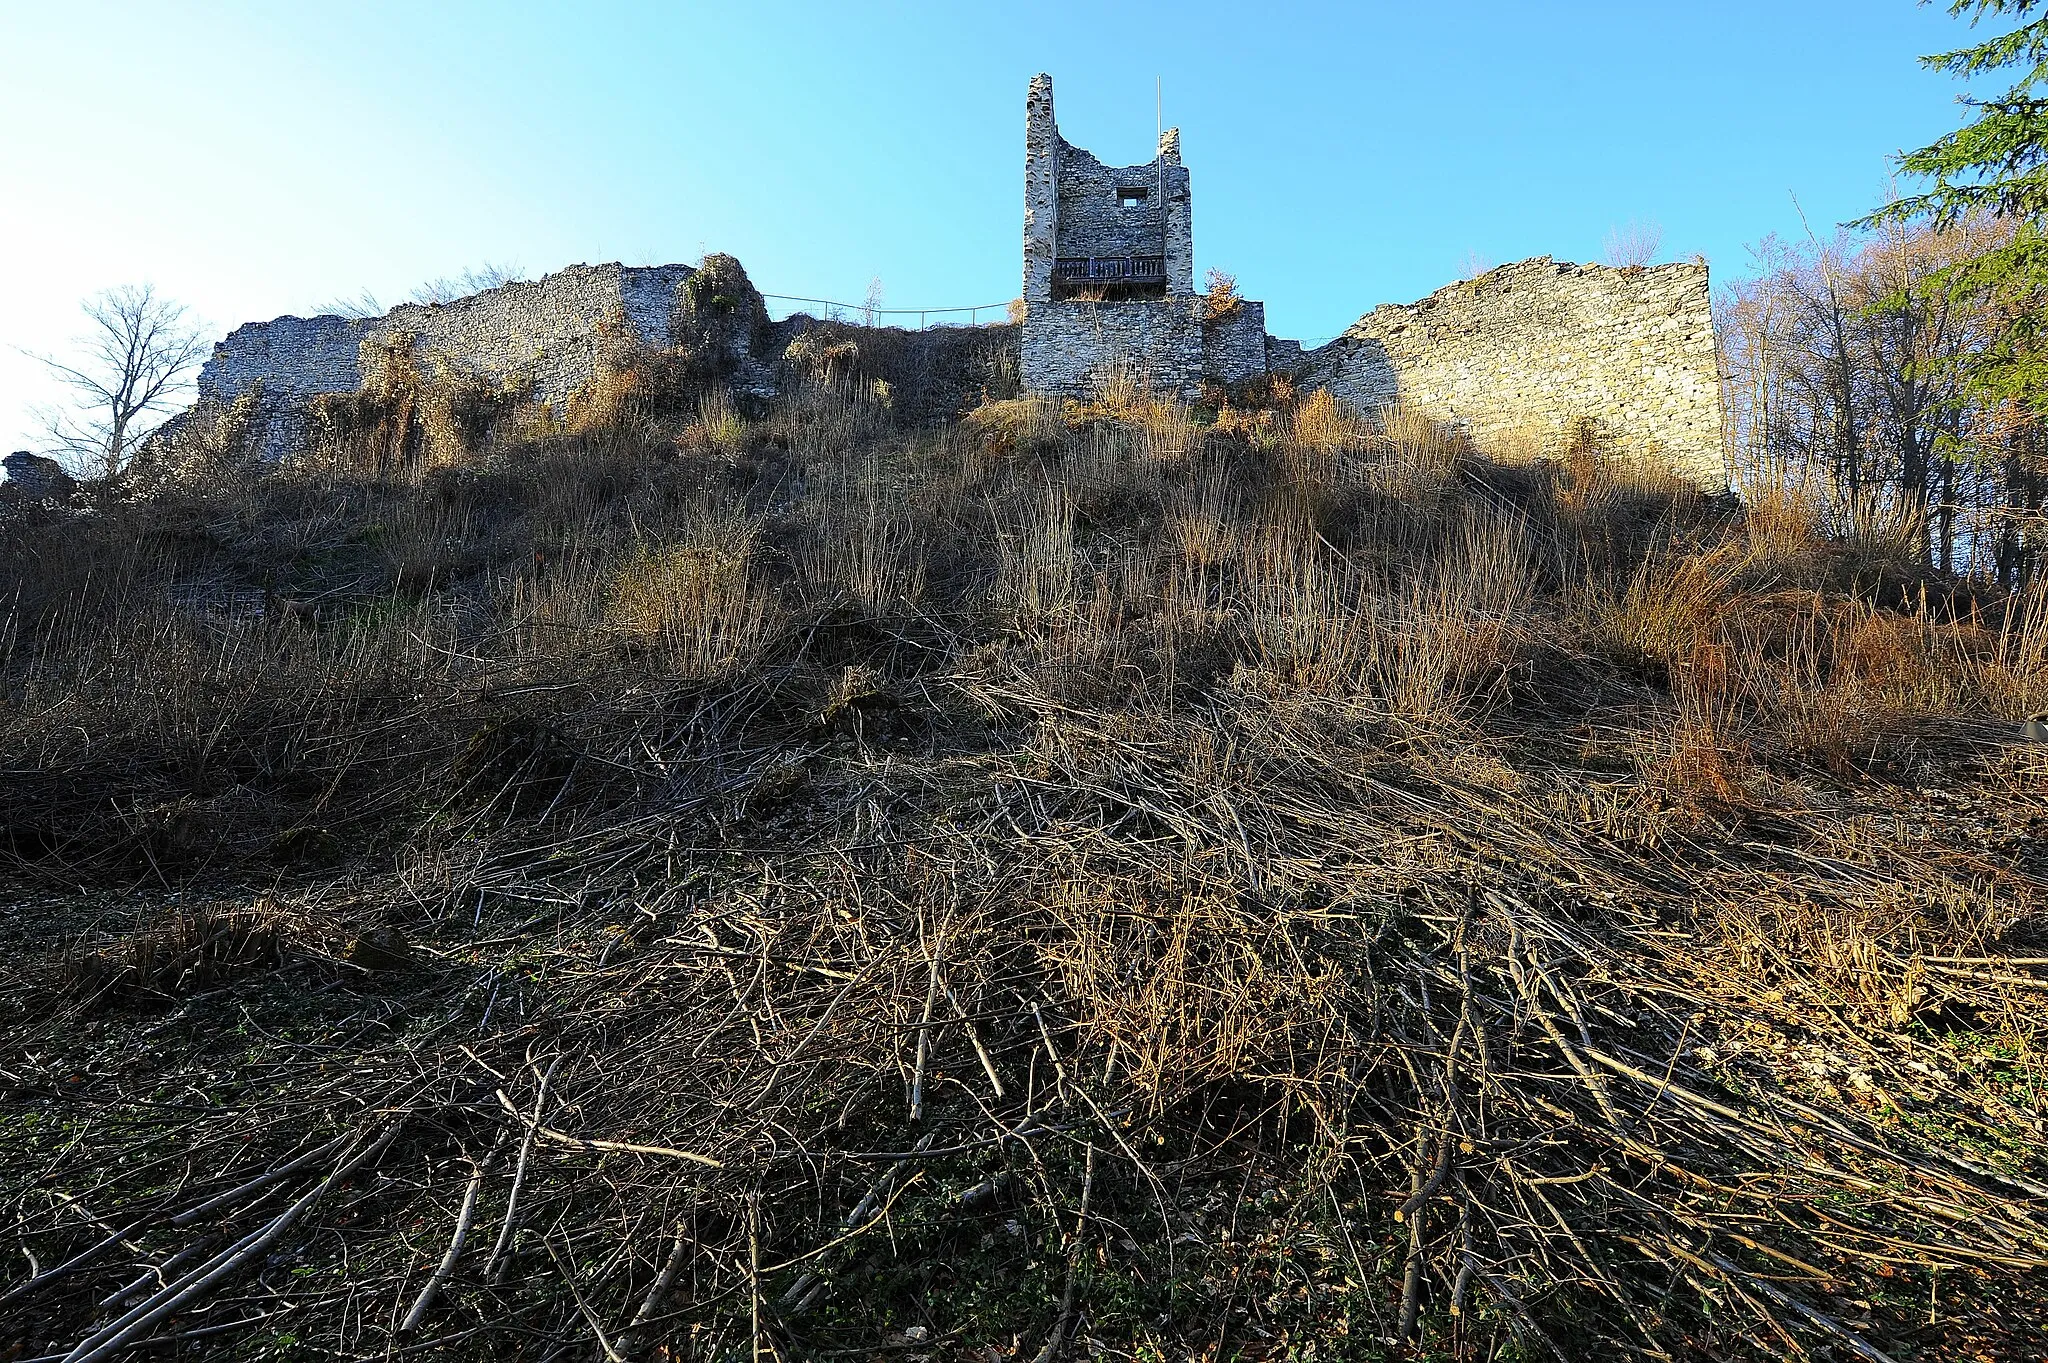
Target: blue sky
x=257, y=159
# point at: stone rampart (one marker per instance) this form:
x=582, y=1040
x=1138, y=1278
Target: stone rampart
x=1535, y=348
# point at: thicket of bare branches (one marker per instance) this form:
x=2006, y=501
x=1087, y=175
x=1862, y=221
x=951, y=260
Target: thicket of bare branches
x=1633, y=245
x=1842, y=376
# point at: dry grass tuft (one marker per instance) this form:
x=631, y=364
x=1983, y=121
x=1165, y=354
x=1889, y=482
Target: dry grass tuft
x=187, y=950
x=697, y=599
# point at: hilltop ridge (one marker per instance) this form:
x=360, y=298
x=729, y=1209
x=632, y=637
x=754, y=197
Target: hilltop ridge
x=703, y=877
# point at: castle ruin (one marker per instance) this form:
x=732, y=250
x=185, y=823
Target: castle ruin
x=1109, y=272
x=1528, y=355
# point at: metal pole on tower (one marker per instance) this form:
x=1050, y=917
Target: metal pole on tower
x=1159, y=159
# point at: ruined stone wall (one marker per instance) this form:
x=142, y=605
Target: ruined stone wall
x=288, y=360
x=1234, y=347
x=1530, y=349
x=296, y=355
x=1072, y=206
x=1168, y=343
x=1093, y=222
x=1041, y=192
x=1180, y=222
x=934, y=374
x=551, y=332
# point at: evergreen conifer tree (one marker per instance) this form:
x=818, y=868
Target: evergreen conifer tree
x=1996, y=164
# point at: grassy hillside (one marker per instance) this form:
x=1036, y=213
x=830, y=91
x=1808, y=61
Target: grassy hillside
x=1113, y=881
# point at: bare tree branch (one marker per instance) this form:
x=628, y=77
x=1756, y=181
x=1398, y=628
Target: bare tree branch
x=134, y=365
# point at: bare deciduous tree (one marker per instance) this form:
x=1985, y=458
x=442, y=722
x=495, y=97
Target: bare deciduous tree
x=1633, y=244
x=1841, y=362
x=132, y=367
x=489, y=275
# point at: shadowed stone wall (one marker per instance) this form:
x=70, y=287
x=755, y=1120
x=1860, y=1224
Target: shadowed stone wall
x=933, y=374
x=1533, y=348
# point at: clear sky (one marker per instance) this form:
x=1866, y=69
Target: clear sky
x=257, y=159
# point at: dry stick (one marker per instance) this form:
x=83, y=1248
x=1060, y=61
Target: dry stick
x=1571, y=1056
x=463, y=1218
x=583, y=1307
x=1991, y=976
x=1059, y=1069
x=191, y=1214
x=816, y=1027
x=855, y=1221
x=1152, y=1180
x=69, y=1265
x=494, y=1267
x=626, y=1147
x=880, y=1215
x=664, y=1279
x=754, y=1268
x=204, y=1332
x=924, y=1037
x=1419, y=1195
x=988, y=1066
x=1985, y=960
x=126, y=1330
x=1065, y=1320
x=1467, y=1261
x=1411, y=1278
x=182, y=1256
x=1828, y=1324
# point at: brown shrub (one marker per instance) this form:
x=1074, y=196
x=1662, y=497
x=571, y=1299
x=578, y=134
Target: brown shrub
x=1221, y=300
x=412, y=414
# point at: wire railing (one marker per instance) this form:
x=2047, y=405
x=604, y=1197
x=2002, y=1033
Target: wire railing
x=865, y=313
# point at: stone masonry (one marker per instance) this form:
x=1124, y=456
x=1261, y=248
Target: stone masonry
x=1166, y=343
x=1109, y=271
x=1528, y=353
x=550, y=332
x=1535, y=349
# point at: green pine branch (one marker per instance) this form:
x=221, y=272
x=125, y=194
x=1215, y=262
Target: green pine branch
x=1995, y=165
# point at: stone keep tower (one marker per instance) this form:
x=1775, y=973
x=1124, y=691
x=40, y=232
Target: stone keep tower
x=1109, y=271
x=1119, y=231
